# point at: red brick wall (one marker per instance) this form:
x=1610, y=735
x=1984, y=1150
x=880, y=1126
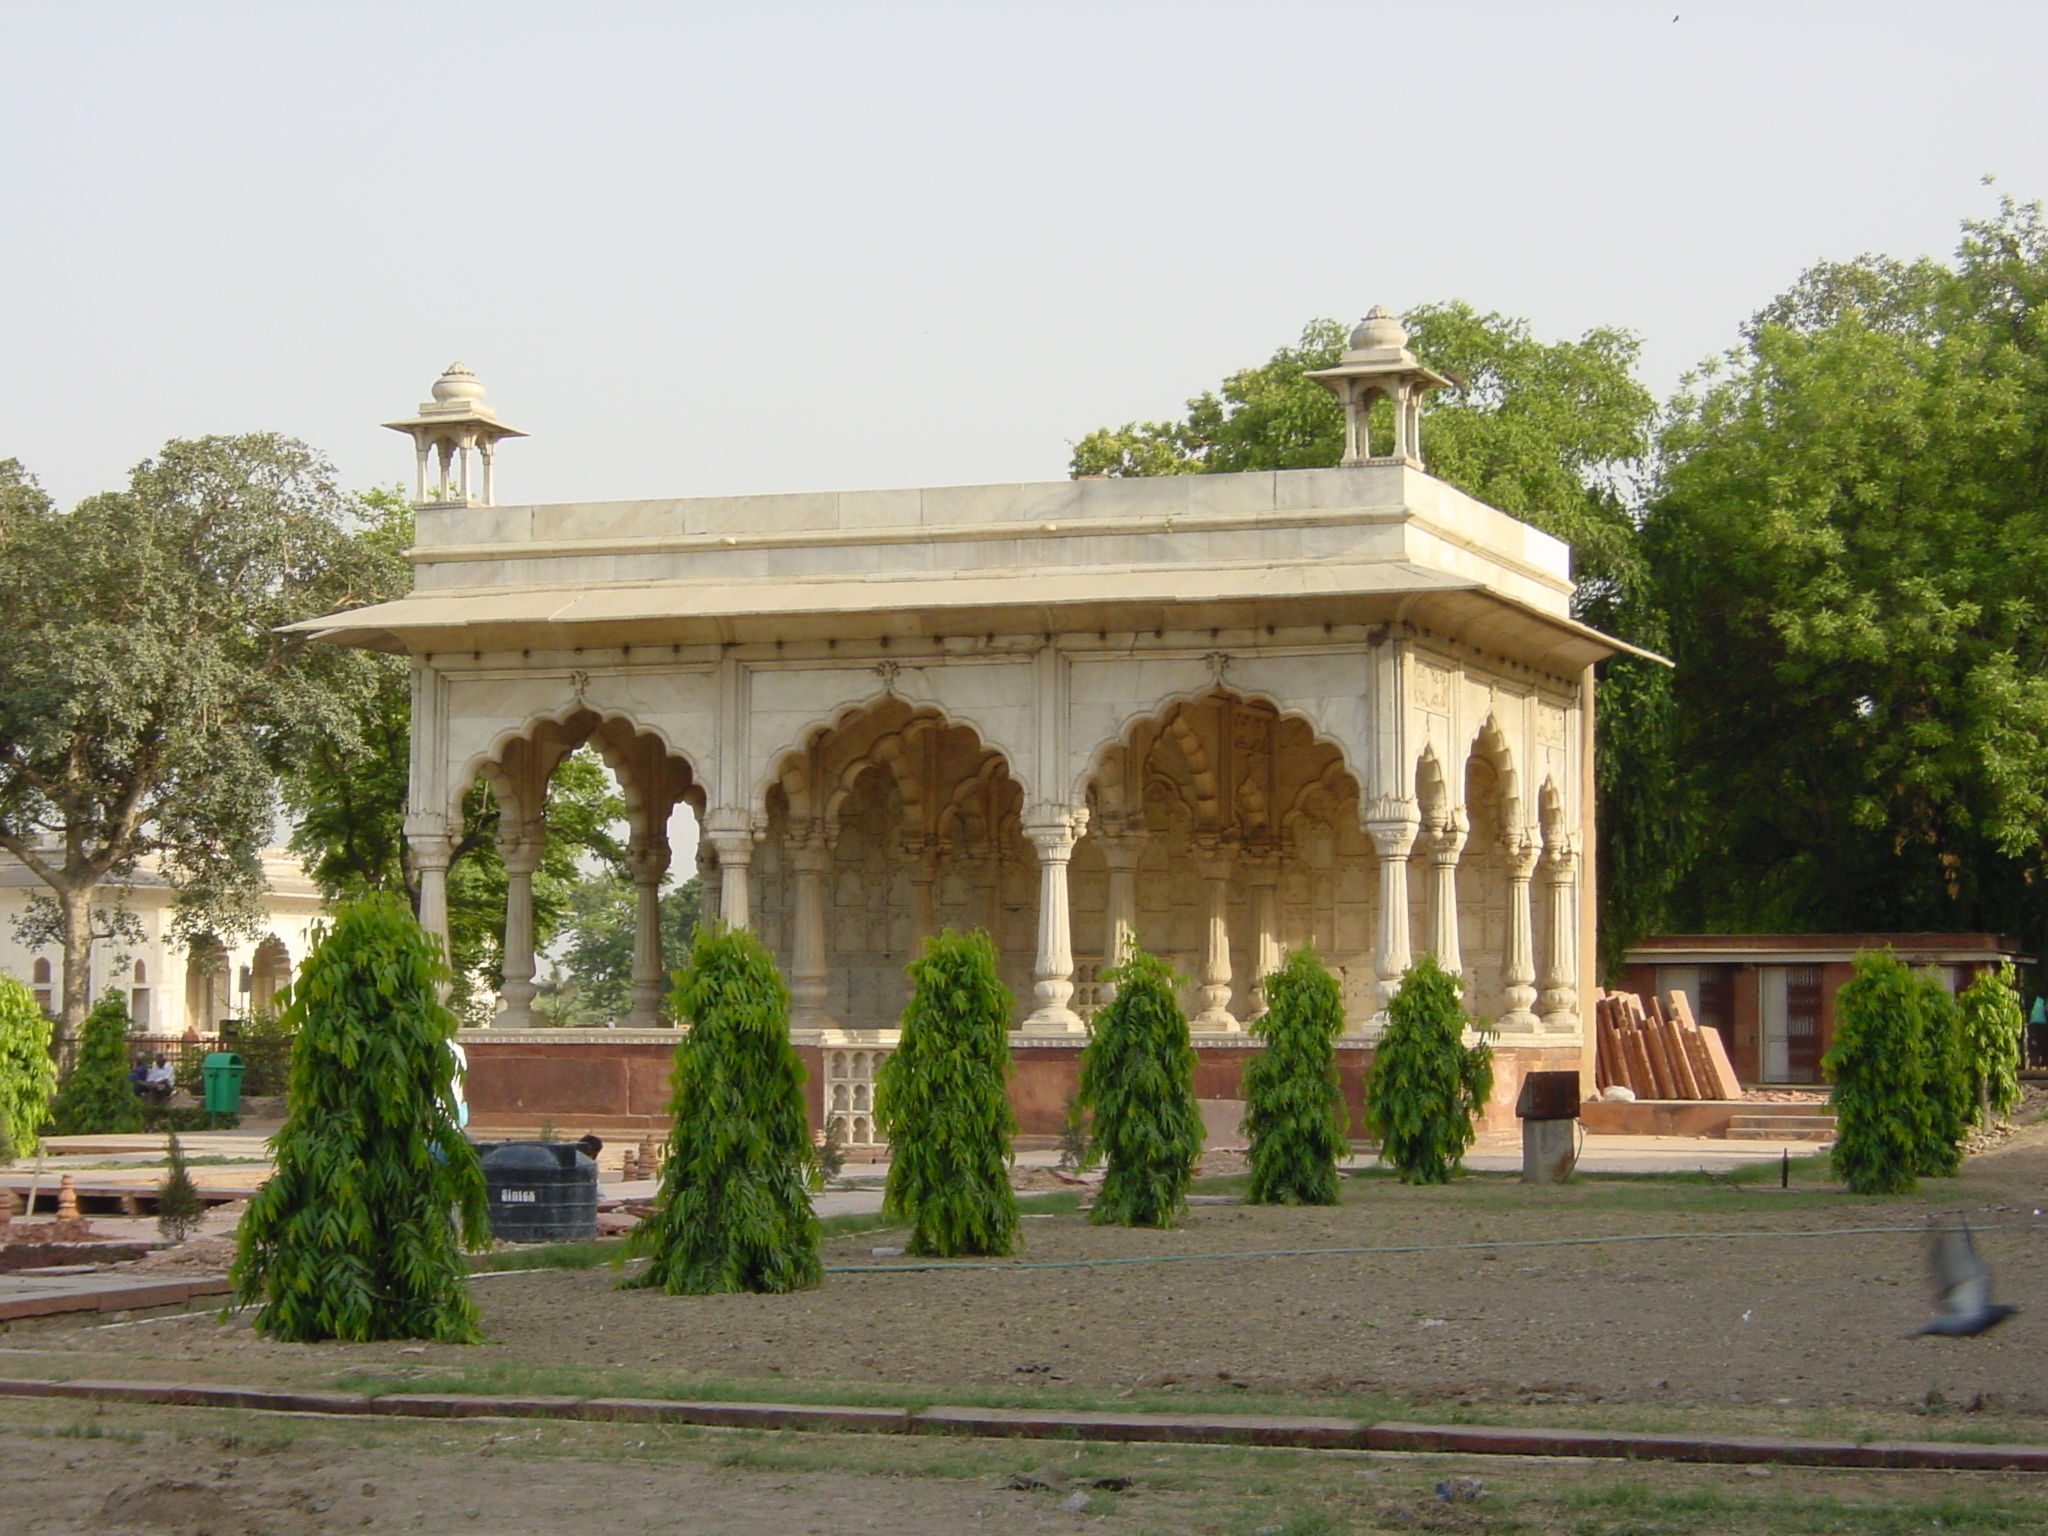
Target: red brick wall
x=584, y=1084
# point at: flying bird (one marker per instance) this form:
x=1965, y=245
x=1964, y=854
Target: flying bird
x=1962, y=1284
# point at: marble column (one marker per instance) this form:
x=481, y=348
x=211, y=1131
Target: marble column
x=732, y=834
x=1215, y=859
x=431, y=855
x=711, y=883
x=809, y=856
x=521, y=852
x=1560, y=1001
x=647, y=858
x=1122, y=851
x=925, y=855
x=1053, y=831
x=1518, y=964
x=1392, y=825
x=1263, y=874
x=1446, y=843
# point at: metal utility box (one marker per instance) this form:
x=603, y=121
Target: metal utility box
x=220, y=1079
x=1549, y=1105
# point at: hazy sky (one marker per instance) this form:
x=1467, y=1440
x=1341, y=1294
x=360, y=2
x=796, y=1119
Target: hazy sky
x=762, y=247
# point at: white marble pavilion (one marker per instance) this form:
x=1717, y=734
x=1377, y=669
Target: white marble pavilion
x=1225, y=715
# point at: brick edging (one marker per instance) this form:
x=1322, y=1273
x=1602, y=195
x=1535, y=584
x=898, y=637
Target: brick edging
x=1076, y=1424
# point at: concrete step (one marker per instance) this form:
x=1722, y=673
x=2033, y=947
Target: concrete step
x=1809, y=1122
x=1775, y=1133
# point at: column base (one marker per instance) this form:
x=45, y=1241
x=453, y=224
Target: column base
x=1053, y=1021
x=1215, y=1021
x=1519, y=1022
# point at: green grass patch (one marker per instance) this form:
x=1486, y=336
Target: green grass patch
x=1624, y=1509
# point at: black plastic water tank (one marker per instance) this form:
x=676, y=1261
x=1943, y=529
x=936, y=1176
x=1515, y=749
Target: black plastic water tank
x=540, y=1192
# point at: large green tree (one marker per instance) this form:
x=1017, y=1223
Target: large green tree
x=1849, y=544
x=145, y=684
x=1557, y=433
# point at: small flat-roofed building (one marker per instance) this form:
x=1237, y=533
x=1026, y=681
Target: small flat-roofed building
x=171, y=983
x=1772, y=995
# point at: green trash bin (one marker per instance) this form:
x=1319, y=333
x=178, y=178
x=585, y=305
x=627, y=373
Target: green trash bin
x=221, y=1076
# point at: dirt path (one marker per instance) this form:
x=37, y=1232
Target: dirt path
x=1765, y=1319
x=141, y=1472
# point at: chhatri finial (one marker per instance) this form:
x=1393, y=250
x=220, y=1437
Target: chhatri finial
x=453, y=428
x=1378, y=365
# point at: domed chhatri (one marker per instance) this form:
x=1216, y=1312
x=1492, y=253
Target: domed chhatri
x=1379, y=331
x=452, y=430
x=457, y=383
x=1379, y=366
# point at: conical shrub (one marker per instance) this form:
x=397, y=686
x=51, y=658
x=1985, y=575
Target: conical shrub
x=97, y=1099
x=734, y=1211
x=1137, y=1081
x=1950, y=1090
x=1879, y=1064
x=179, y=1206
x=941, y=1099
x=358, y=1234
x=1426, y=1084
x=1294, y=1113
x=27, y=1074
x=1994, y=1034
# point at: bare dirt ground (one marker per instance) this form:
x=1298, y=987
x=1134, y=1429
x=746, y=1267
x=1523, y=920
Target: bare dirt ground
x=139, y=1472
x=1742, y=1324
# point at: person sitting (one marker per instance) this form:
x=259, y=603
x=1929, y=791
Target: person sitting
x=138, y=1077
x=159, y=1081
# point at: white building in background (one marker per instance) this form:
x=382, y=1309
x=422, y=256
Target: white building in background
x=172, y=984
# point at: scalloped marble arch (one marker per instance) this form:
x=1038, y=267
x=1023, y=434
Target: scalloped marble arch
x=490, y=764
x=773, y=763
x=1096, y=757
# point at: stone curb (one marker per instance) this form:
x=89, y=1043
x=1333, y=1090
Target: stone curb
x=1074, y=1424
x=125, y=1296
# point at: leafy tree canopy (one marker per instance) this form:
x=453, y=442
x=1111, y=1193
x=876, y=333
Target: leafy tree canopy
x=1848, y=544
x=144, y=683
x=595, y=984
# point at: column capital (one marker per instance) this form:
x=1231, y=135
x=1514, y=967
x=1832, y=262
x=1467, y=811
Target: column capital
x=1559, y=858
x=431, y=850
x=732, y=833
x=647, y=859
x=1216, y=854
x=521, y=844
x=1393, y=823
x=1447, y=838
x=1054, y=829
